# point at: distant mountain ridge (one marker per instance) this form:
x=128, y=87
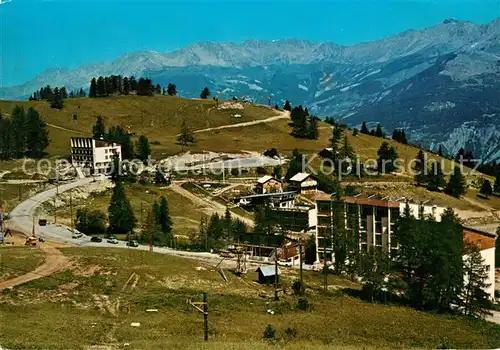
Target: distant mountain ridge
x=442, y=83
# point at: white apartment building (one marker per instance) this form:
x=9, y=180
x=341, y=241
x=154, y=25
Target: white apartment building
x=94, y=156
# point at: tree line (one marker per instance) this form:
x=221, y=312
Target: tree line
x=303, y=125
x=119, y=135
x=218, y=232
x=427, y=270
x=121, y=219
x=55, y=96
x=23, y=134
x=118, y=85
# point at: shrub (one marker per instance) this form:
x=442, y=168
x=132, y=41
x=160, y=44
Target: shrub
x=271, y=153
x=90, y=222
x=261, y=170
x=75, y=116
x=297, y=287
x=355, y=132
x=269, y=332
x=303, y=304
x=290, y=333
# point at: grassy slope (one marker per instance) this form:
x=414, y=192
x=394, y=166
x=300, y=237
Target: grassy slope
x=95, y=290
x=160, y=117
x=185, y=215
x=16, y=261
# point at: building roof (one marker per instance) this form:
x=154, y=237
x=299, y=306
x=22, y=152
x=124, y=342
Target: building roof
x=275, y=194
x=265, y=179
x=299, y=177
x=484, y=240
x=359, y=200
x=267, y=271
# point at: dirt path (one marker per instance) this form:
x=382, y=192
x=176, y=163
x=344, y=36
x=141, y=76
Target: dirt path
x=55, y=261
x=207, y=205
x=282, y=115
x=61, y=128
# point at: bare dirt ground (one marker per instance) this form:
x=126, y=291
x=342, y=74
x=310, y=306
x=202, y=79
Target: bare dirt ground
x=55, y=261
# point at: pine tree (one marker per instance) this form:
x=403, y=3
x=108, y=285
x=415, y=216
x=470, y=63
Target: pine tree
x=347, y=157
x=93, y=88
x=186, y=136
x=165, y=222
x=435, y=179
x=99, y=130
x=295, y=164
x=101, y=87
x=387, y=157
x=378, y=131
x=126, y=86
x=158, y=89
x=457, y=185
x=287, y=106
x=421, y=168
x=205, y=93
x=119, y=135
x=6, y=138
x=486, y=189
x=496, y=187
x=171, y=89
x=56, y=101
x=476, y=302
x=312, y=132
x=133, y=83
x=143, y=148
x=120, y=213
x=364, y=129
x=18, y=119
x=81, y=93
x=440, y=151
x=37, y=136
x=63, y=92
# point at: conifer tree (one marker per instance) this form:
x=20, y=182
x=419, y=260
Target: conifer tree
x=420, y=168
x=287, y=106
x=126, y=86
x=440, y=151
x=6, y=138
x=143, y=148
x=93, y=88
x=486, y=189
x=364, y=129
x=120, y=136
x=57, y=100
x=387, y=156
x=312, y=132
x=37, y=136
x=295, y=164
x=496, y=187
x=120, y=213
x=435, y=178
x=165, y=222
x=18, y=119
x=186, y=136
x=81, y=93
x=205, y=93
x=171, y=89
x=378, y=131
x=476, y=302
x=457, y=185
x=99, y=130
x=101, y=87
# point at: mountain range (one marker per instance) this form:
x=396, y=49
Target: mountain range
x=441, y=84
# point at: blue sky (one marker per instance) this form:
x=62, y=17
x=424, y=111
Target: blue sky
x=39, y=34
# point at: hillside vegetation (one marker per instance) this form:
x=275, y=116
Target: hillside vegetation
x=110, y=289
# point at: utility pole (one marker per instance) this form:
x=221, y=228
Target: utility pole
x=300, y=261
x=205, y=315
x=276, y=297
x=71, y=210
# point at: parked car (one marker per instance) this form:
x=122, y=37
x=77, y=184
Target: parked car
x=77, y=235
x=112, y=240
x=133, y=243
x=42, y=222
x=40, y=239
x=96, y=239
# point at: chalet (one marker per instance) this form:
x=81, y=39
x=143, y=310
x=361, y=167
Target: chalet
x=303, y=183
x=268, y=184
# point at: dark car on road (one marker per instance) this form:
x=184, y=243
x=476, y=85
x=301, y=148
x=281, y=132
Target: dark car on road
x=96, y=239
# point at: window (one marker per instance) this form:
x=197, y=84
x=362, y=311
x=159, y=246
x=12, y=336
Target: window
x=378, y=239
x=378, y=227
